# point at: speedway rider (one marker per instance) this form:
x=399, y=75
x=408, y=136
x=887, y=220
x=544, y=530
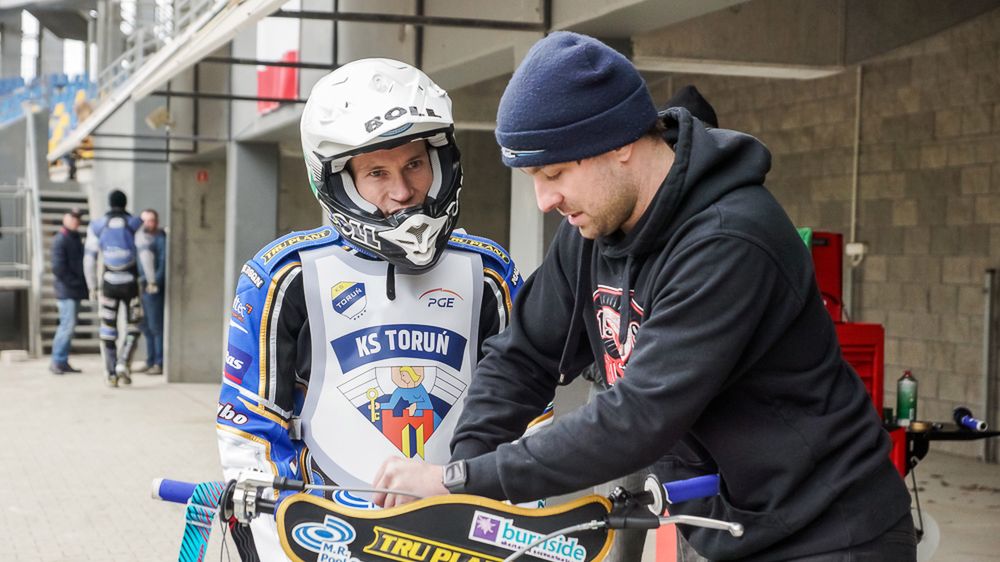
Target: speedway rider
x=381, y=317
x=123, y=245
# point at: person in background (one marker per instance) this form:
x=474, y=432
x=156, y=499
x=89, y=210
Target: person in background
x=152, y=294
x=71, y=288
x=691, y=99
x=118, y=238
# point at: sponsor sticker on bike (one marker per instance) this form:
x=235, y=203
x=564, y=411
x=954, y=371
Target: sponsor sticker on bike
x=329, y=539
x=395, y=545
x=501, y=531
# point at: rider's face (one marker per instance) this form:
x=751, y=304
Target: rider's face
x=393, y=179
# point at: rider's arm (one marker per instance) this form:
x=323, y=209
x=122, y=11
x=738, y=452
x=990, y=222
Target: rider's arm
x=501, y=284
x=90, y=249
x=699, y=322
x=161, y=257
x=263, y=372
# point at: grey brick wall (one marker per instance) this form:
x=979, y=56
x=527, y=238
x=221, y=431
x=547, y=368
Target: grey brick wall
x=929, y=192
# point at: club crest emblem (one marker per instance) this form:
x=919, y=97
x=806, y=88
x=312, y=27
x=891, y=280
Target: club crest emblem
x=405, y=403
x=348, y=299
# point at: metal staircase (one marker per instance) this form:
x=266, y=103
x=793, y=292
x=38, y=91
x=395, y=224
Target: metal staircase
x=53, y=205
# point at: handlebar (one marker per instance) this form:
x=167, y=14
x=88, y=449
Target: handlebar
x=692, y=489
x=677, y=491
x=175, y=491
x=249, y=494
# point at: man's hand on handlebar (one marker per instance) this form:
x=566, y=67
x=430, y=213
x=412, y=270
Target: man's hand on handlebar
x=408, y=475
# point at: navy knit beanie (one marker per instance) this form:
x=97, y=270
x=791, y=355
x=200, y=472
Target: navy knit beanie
x=571, y=98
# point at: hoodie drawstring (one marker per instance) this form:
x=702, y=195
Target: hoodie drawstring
x=390, y=282
x=625, y=313
x=577, y=325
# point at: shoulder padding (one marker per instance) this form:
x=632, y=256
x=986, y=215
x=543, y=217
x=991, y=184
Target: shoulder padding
x=494, y=256
x=268, y=258
x=97, y=225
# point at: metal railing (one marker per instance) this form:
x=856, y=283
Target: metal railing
x=147, y=38
x=15, y=244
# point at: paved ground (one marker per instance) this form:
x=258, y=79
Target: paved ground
x=79, y=458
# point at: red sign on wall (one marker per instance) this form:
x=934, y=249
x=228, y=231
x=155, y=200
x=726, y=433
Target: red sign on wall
x=278, y=82
x=201, y=176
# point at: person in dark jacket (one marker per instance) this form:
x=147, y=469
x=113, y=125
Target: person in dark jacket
x=71, y=288
x=683, y=277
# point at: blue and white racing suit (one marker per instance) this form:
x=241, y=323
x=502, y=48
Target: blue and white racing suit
x=124, y=247
x=335, y=362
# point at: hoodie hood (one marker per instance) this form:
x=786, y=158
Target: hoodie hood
x=708, y=164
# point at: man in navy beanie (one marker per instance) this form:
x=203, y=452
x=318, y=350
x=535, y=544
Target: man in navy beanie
x=681, y=275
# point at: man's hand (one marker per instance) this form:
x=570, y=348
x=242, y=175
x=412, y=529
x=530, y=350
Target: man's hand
x=93, y=295
x=152, y=288
x=407, y=475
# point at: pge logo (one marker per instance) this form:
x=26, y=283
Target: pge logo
x=440, y=298
x=329, y=538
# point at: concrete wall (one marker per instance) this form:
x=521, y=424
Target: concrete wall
x=149, y=179
x=10, y=45
x=363, y=40
x=316, y=44
x=485, y=189
x=195, y=287
x=113, y=174
x=929, y=188
x=144, y=182
x=297, y=209
x=13, y=138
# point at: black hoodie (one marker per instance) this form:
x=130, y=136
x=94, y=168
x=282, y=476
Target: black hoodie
x=731, y=365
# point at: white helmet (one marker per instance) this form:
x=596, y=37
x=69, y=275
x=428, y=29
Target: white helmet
x=376, y=104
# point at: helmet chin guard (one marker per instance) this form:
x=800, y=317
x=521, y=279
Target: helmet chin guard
x=380, y=104
x=417, y=236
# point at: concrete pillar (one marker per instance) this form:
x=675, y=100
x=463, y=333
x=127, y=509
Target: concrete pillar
x=110, y=43
x=10, y=48
x=196, y=301
x=50, y=52
x=251, y=203
x=527, y=223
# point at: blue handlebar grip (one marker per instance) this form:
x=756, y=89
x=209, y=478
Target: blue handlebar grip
x=973, y=424
x=691, y=489
x=172, y=490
